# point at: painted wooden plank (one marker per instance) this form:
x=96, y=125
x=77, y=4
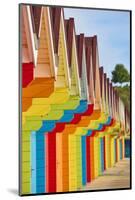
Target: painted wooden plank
x=33, y=162
x=48, y=163
x=59, y=162
x=27, y=48
x=84, y=179
x=88, y=163
x=27, y=73
x=53, y=157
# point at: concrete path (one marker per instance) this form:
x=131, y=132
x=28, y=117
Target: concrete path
x=115, y=177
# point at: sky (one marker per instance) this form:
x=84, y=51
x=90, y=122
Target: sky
x=113, y=32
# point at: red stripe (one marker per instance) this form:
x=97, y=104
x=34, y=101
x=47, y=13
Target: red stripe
x=27, y=73
x=88, y=158
x=104, y=154
x=51, y=162
x=89, y=111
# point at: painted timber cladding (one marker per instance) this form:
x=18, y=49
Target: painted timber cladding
x=73, y=121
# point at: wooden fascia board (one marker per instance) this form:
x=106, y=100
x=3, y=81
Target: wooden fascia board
x=92, y=43
x=80, y=47
x=80, y=41
x=89, y=54
x=70, y=37
x=35, y=18
x=34, y=50
x=32, y=19
x=67, y=75
x=88, y=57
x=108, y=91
x=122, y=112
x=92, y=93
x=29, y=33
x=108, y=96
x=114, y=104
x=50, y=40
x=114, y=101
x=85, y=69
x=110, y=85
x=101, y=80
x=111, y=98
x=96, y=71
x=94, y=59
x=71, y=49
x=55, y=16
x=105, y=86
x=76, y=63
x=40, y=23
x=98, y=92
x=69, y=26
x=89, y=68
x=66, y=34
x=102, y=88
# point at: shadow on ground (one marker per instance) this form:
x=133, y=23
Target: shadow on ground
x=13, y=191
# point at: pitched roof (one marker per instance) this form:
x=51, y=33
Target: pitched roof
x=79, y=45
x=69, y=30
x=105, y=84
x=101, y=71
x=88, y=52
x=36, y=17
x=55, y=15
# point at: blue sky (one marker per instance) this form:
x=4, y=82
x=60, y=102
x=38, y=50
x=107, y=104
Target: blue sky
x=113, y=31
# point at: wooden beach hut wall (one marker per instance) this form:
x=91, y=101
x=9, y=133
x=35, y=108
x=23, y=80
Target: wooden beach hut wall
x=61, y=55
x=72, y=56
x=27, y=57
x=102, y=89
x=74, y=144
x=122, y=114
x=108, y=97
x=127, y=121
x=90, y=81
x=40, y=87
x=52, y=175
x=102, y=138
x=105, y=90
x=114, y=103
x=80, y=43
x=36, y=12
x=46, y=66
x=28, y=64
x=111, y=99
x=95, y=64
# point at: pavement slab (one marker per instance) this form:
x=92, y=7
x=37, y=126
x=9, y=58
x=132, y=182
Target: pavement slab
x=113, y=178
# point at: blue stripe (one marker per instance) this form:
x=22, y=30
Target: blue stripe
x=47, y=126
x=83, y=141
x=102, y=154
x=40, y=163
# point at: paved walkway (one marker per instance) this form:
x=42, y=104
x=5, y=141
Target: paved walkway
x=115, y=177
